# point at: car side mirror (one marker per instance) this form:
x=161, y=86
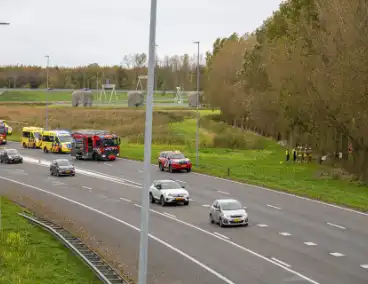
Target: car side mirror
x=183, y=186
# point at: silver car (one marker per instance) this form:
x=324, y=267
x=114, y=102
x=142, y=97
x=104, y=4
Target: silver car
x=228, y=212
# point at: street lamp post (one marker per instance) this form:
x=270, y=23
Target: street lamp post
x=197, y=104
x=47, y=90
x=1, y=200
x=143, y=246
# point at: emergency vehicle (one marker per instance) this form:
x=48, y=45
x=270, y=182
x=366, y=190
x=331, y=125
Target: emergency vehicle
x=56, y=141
x=95, y=145
x=174, y=161
x=32, y=137
x=3, y=134
x=9, y=130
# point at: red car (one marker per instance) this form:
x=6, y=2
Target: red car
x=174, y=161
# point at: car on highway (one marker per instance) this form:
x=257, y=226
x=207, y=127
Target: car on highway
x=228, y=212
x=168, y=192
x=10, y=156
x=174, y=161
x=62, y=167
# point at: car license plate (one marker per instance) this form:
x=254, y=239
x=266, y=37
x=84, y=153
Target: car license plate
x=179, y=198
x=183, y=166
x=68, y=172
x=237, y=220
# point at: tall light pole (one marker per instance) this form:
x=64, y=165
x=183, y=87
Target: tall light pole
x=143, y=246
x=1, y=200
x=197, y=104
x=47, y=90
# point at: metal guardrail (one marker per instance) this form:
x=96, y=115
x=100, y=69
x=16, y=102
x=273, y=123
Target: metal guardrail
x=102, y=270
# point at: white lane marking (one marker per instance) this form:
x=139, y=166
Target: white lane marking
x=205, y=205
x=86, y=173
x=170, y=215
x=282, y=193
x=178, y=180
x=262, y=225
x=220, y=235
x=337, y=254
x=285, y=234
x=264, y=188
x=274, y=207
x=309, y=243
x=135, y=204
x=337, y=226
x=223, y=192
x=127, y=200
x=281, y=262
x=140, y=171
x=239, y=247
x=86, y=187
x=364, y=266
x=220, y=276
x=106, y=164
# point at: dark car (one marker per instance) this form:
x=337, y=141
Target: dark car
x=10, y=156
x=62, y=167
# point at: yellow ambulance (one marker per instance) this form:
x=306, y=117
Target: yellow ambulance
x=32, y=137
x=56, y=141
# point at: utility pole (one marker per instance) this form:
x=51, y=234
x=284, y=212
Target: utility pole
x=197, y=105
x=47, y=90
x=143, y=246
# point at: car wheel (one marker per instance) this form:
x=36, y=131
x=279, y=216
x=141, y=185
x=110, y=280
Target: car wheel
x=57, y=173
x=24, y=145
x=220, y=222
x=170, y=169
x=186, y=203
x=94, y=157
x=162, y=201
x=161, y=167
x=246, y=225
x=152, y=199
x=45, y=150
x=188, y=170
x=21, y=161
x=51, y=173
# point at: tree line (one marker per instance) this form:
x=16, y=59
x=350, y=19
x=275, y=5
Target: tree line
x=300, y=77
x=171, y=72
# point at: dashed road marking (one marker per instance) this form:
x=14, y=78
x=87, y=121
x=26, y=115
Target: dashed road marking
x=137, y=205
x=337, y=226
x=285, y=234
x=365, y=266
x=86, y=187
x=220, y=235
x=223, y=192
x=281, y=262
x=262, y=225
x=310, y=244
x=170, y=215
x=127, y=200
x=205, y=205
x=274, y=207
x=337, y=254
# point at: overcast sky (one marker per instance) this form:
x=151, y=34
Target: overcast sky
x=80, y=32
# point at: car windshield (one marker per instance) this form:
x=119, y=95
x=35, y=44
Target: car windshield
x=65, y=139
x=176, y=156
x=231, y=205
x=63, y=163
x=109, y=142
x=170, y=185
x=12, y=152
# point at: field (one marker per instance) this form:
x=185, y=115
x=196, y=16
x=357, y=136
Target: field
x=62, y=96
x=254, y=159
x=30, y=255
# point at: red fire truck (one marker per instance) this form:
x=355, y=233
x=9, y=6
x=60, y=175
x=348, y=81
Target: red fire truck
x=3, y=133
x=95, y=145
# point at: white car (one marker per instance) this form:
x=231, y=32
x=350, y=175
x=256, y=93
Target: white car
x=168, y=191
x=228, y=212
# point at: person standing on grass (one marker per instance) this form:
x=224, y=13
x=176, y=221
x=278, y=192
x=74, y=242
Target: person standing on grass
x=294, y=155
x=287, y=153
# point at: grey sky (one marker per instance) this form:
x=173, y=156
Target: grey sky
x=79, y=32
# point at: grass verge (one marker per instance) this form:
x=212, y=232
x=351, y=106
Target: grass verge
x=247, y=156
x=30, y=255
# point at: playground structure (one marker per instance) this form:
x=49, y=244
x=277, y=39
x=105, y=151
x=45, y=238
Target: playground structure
x=102, y=96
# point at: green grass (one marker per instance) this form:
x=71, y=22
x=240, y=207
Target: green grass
x=54, y=96
x=30, y=255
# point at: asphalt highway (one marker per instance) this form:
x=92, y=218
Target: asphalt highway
x=289, y=239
